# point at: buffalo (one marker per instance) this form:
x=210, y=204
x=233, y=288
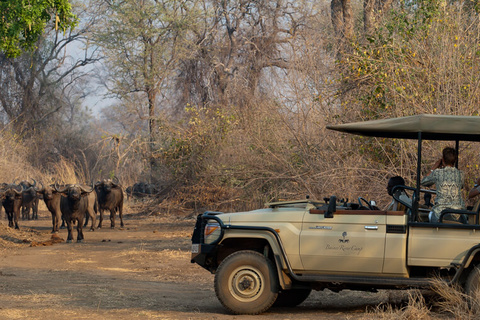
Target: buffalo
x=12, y=201
x=52, y=200
x=128, y=191
x=141, y=190
x=29, y=199
x=110, y=197
x=3, y=185
x=77, y=201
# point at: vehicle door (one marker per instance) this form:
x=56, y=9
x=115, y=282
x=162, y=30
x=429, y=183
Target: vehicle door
x=440, y=244
x=351, y=241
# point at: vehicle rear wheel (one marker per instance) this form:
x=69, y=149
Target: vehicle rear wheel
x=472, y=285
x=291, y=298
x=246, y=283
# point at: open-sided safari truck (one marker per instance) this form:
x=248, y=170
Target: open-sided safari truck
x=277, y=255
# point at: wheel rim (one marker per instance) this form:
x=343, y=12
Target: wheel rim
x=246, y=283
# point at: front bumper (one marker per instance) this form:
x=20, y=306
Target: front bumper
x=203, y=254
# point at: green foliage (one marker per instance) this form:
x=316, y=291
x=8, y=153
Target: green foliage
x=423, y=59
x=24, y=21
x=190, y=149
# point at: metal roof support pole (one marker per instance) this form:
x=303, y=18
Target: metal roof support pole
x=419, y=170
x=457, y=145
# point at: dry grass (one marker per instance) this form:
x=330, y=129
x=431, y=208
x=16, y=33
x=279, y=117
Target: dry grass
x=448, y=302
x=66, y=172
x=415, y=309
x=452, y=300
x=163, y=263
x=12, y=159
x=12, y=238
x=163, y=255
x=15, y=165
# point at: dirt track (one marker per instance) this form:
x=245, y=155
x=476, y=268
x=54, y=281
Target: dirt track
x=142, y=271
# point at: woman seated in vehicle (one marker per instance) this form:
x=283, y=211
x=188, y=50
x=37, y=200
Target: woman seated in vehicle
x=449, y=182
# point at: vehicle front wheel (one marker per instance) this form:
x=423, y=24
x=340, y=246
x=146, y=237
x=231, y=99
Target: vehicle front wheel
x=246, y=283
x=291, y=298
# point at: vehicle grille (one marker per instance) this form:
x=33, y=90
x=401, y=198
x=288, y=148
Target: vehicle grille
x=391, y=228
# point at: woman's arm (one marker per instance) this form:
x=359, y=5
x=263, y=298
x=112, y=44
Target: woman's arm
x=474, y=191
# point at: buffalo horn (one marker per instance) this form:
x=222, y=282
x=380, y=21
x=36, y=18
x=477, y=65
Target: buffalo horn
x=60, y=190
x=15, y=189
x=40, y=189
x=87, y=190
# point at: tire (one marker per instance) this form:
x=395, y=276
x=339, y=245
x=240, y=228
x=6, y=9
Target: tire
x=472, y=285
x=246, y=283
x=291, y=298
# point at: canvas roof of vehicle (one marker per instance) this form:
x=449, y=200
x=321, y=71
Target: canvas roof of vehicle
x=432, y=127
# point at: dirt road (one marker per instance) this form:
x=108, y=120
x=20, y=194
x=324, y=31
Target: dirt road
x=141, y=271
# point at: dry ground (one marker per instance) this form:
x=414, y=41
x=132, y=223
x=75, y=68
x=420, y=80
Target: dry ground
x=141, y=271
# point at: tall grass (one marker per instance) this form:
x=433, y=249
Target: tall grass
x=13, y=163
x=414, y=310
x=67, y=172
x=443, y=301
x=15, y=166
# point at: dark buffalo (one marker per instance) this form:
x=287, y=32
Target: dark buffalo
x=3, y=185
x=12, y=201
x=52, y=200
x=128, y=191
x=77, y=201
x=29, y=199
x=110, y=197
x=141, y=190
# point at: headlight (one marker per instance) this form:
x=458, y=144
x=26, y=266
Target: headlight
x=212, y=231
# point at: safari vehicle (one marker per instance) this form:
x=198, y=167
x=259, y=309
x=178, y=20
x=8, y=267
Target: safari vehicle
x=279, y=254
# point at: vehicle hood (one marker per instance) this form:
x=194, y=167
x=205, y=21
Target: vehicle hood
x=274, y=215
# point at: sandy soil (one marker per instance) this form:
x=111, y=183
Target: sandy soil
x=141, y=271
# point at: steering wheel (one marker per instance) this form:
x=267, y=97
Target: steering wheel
x=361, y=199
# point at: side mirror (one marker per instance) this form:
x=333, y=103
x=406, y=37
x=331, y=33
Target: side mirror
x=332, y=207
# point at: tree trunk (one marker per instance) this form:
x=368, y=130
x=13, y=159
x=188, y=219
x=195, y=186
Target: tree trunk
x=368, y=16
x=337, y=18
x=342, y=20
x=152, y=126
x=347, y=19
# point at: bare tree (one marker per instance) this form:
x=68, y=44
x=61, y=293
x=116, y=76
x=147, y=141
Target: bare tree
x=238, y=43
x=142, y=42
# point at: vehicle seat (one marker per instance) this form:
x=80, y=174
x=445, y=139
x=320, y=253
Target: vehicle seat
x=423, y=213
x=476, y=208
x=451, y=221
x=470, y=219
x=462, y=218
x=396, y=196
x=401, y=207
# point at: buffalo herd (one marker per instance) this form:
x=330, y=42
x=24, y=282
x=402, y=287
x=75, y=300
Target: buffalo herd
x=70, y=203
